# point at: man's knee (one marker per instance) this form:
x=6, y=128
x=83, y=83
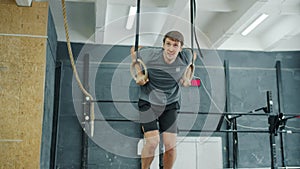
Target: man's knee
x=170, y=147
x=151, y=140
x=170, y=141
x=152, y=143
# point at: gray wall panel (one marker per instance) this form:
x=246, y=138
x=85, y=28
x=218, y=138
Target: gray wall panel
x=251, y=75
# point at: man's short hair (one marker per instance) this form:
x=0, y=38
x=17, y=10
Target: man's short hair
x=175, y=36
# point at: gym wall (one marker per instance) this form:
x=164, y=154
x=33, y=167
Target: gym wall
x=26, y=70
x=251, y=75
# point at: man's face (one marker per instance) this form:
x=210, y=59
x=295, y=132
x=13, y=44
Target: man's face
x=171, y=50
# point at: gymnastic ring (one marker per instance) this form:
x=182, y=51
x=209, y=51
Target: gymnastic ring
x=192, y=66
x=132, y=68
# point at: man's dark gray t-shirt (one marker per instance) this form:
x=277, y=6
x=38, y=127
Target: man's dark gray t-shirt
x=163, y=87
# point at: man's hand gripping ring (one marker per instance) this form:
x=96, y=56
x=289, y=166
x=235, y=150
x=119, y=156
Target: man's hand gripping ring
x=133, y=69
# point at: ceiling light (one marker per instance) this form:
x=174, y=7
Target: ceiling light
x=131, y=17
x=254, y=24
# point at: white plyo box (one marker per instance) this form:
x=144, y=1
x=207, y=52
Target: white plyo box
x=194, y=153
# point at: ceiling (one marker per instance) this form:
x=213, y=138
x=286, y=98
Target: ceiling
x=218, y=23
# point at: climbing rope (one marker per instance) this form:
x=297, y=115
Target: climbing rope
x=86, y=93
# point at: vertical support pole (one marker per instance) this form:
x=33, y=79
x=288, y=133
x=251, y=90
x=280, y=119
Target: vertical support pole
x=55, y=122
x=86, y=110
x=273, y=151
x=272, y=120
x=235, y=144
x=280, y=109
x=227, y=109
x=232, y=138
x=161, y=152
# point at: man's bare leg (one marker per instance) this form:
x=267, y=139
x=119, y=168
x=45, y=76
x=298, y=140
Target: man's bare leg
x=170, y=149
x=148, y=152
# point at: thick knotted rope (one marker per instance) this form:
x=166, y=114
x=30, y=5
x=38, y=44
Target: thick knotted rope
x=86, y=93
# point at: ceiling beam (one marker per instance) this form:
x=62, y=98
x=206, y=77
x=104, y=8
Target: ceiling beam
x=100, y=16
x=214, y=6
x=24, y=2
x=148, y=3
x=290, y=10
x=283, y=30
x=170, y=22
x=225, y=26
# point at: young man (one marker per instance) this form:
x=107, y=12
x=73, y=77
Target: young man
x=160, y=95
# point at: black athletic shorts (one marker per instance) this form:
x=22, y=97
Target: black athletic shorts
x=162, y=118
